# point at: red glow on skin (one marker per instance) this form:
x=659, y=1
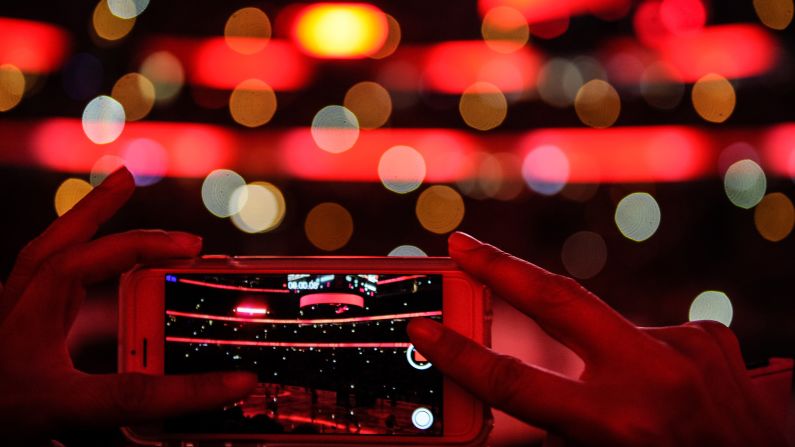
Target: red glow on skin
x=545, y=10
x=305, y=321
x=212, y=63
x=452, y=67
x=33, y=47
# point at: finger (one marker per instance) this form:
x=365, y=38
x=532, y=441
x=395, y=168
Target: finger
x=112, y=255
x=128, y=398
x=528, y=393
x=107, y=257
x=726, y=340
x=76, y=226
x=563, y=308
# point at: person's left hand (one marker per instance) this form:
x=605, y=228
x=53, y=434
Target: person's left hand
x=41, y=393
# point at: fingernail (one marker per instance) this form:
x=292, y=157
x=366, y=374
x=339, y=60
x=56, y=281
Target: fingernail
x=425, y=330
x=459, y=241
x=239, y=380
x=188, y=241
x=117, y=178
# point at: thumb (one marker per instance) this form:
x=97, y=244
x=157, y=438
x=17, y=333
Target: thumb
x=117, y=399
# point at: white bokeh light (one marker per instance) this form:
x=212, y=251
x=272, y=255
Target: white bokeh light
x=335, y=129
x=217, y=191
x=745, y=183
x=407, y=250
x=127, y=9
x=638, y=216
x=712, y=305
x=103, y=120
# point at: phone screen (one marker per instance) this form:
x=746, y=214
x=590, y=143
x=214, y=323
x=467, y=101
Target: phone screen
x=330, y=350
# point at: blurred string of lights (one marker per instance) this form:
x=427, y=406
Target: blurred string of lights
x=673, y=47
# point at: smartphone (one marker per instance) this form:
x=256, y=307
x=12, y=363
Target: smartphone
x=326, y=337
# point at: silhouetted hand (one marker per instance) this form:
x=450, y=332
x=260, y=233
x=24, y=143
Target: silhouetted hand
x=40, y=391
x=672, y=386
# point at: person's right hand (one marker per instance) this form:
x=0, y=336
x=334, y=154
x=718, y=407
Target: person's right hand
x=672, y=386
x=41, y=393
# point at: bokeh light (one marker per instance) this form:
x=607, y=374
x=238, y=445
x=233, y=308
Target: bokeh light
x=638, y=216
x=103, y=167
x=774, y=217
x=597, y=104
x=483, y=106
x=217, y=190
x=371, y=104
x=584, y=254
x=745, y=183
x=70, y=192
x=12, y=86
x=775, y=14
x=735, y=152
x=261, y=205
x=147, y=161
x=165, y=72
x=109, y=26
x=351, y=30
x=546, y=169
x=136, y=94
x=392, y=41
x=682, y=16
x=711, y=305
x=329, y=226
x=127, y=9
x=559, y=80
x=401, y=169
x=103, y=120
x=247, y=30
x=407, y=250
x=714, y=98
x=335, y=129
x=82, y=76
x=440, y=209
x=505, y=29
x=252, y=103
x=661, y=87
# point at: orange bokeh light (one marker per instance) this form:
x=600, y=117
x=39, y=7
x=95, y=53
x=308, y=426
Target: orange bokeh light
x=340, y=30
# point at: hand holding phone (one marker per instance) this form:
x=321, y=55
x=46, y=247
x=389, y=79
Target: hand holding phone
x=683, y=385
x=41, y=393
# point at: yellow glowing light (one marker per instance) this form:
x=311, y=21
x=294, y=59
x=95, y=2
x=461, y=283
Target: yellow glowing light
x=252, y=103
x=136, y=94
x=711, y=305
x=597, y=104
x=714, y=98
x=774, y=217
x=69, y=193
x=370, y=102
x=12, y=86
x=329, y=30
x=166, y=73
x=247, y=30
x=108, y=26
x=505, y=29
x=329, y=226
x=440, y=209
x=483, y=106
x=392, y=39
x=261, y=207
x=776, y=14
x=584, y=254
